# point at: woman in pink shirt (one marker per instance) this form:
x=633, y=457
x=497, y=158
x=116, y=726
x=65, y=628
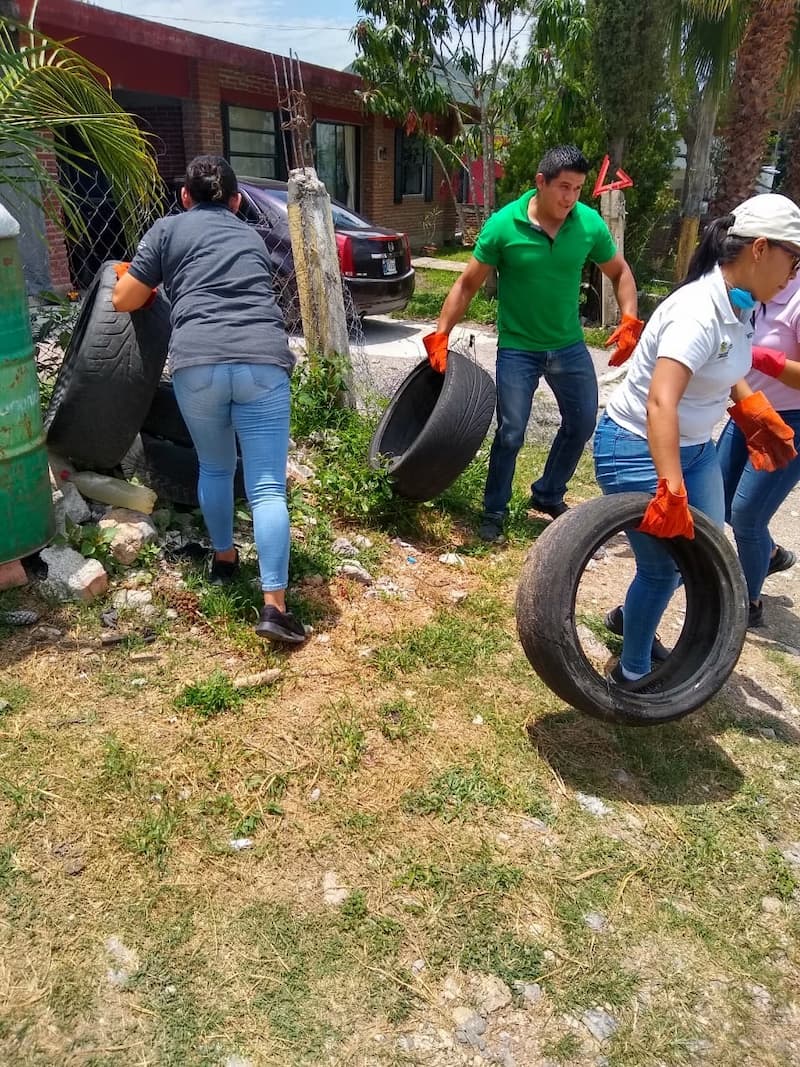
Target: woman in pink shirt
x=752, y=497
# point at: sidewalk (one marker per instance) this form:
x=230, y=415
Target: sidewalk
x=429, y=263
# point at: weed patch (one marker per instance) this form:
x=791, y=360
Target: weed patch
x=210, y=698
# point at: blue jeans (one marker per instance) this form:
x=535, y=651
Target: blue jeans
x=623, y=464
x=219, y=402
x=570, y=374
x=751, y=499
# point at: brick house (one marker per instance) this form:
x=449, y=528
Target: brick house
x=197, y=95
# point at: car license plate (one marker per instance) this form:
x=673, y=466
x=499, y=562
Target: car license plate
x=390, y=266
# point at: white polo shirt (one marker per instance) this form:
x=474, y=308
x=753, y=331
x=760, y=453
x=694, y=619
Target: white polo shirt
x=696, y=326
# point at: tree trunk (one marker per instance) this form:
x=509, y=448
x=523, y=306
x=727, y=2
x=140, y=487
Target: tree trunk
x=698, y=166
x=791, y=177
x=753, y=99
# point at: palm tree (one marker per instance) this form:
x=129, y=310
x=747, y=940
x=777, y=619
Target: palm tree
x=48, y=93
x=761, y=64
x=705, y=35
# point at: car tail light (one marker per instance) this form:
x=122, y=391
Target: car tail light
x=344, y=247
x=407, y=246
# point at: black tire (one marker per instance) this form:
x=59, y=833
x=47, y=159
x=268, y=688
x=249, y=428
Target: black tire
x=433, y=426
x=709, y=644
x=111, y=368
x=164, y=418
x=169, y=469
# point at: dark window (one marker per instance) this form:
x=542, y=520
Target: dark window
x=252, y=142
x=413, y=167
x=336, y=154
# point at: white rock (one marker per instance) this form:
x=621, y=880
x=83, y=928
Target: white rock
x=594, y=805
x=792, y=854
x=75, y=507
x=531, y=992
x=595, y=921
x=298, y=472
x=132, y=599
x=353, y=569
x=491, y=994
x=239, y=844
x=417, y=967
x=237, y=1061
x=592, y=647
x=70, y=576
x=457, y=595
x=132, y=530
x=451, y=559
x=333, y=892
x=599, y=1023
x=478, y=720
x=360, y=541
x=771, y=905
x=124, y=961
x=315, y=794
x=343, y=547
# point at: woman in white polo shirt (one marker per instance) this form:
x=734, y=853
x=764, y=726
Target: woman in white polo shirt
x=655, y=435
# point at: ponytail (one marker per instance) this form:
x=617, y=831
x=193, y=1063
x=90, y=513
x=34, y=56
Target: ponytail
x=716, y=246
x=210, y=180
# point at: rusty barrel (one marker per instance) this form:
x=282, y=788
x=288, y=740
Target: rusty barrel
x=26, y=508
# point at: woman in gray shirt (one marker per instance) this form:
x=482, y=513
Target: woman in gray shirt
x=230, y=362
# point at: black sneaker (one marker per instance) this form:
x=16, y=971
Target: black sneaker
x=222, y=572
x=755, y=616
x=553, y=510
x=278, y=625
x=781, y=560
x=618, y=680
x=613, y=622
x=491, y=529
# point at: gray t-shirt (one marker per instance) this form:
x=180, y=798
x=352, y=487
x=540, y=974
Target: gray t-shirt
x=216, y=274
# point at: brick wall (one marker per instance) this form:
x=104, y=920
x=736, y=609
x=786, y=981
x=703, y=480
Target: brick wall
x=60, y=279
x=165, y=123
x=202, y=121
x=378, y=190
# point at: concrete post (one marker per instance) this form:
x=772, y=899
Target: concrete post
x=612, y=208
x=319, y=279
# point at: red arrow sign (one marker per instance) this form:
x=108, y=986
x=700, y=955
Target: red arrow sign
x=624, y=181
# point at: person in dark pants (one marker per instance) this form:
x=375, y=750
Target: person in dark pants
x=539, y=245
x=230, y=362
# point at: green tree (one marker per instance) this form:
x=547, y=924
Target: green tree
x=629, y=61
x=48, y=90
x=440, y=57
x=704, y=38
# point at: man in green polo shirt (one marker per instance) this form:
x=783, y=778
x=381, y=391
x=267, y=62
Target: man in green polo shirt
x=539, y=245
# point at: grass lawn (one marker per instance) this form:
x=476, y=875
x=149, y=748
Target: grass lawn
x=329, y=867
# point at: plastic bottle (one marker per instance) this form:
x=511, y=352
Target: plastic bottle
x=112, y=491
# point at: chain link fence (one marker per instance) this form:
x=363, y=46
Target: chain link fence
x=103, y=238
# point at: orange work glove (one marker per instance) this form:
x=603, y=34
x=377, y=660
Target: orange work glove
x=770, y=441
x=625, y=337
x=436, y=347
x=668, y=514
x=122, y=268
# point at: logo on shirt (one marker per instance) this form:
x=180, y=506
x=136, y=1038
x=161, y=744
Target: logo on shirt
x=724, y=349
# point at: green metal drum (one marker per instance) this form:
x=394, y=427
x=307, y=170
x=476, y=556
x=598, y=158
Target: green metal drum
x=26, y=506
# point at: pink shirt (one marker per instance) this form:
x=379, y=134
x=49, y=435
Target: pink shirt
x=779, y=327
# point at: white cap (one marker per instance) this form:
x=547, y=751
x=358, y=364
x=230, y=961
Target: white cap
x=767, y=215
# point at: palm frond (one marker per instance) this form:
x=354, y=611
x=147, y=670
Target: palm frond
x=48, y=91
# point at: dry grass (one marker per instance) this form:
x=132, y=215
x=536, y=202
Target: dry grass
x=447, y=777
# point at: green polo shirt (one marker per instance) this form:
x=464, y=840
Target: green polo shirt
x=539, y=278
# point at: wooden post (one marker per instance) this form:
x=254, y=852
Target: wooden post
x=612, y=208
x=319, y=280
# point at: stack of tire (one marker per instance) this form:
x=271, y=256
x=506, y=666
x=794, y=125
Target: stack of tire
x=112, y=410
